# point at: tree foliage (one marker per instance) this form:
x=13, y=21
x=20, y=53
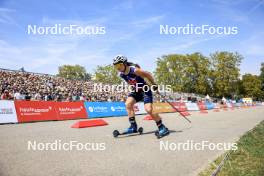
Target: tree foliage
x=185, y=73
x=225, y=73
x=107, y=75
x=217, y=75
x=74, y=72
x=261, y=76
x=251, y=86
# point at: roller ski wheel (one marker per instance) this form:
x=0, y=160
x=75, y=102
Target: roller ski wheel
x=116, y=133
x=140, y=130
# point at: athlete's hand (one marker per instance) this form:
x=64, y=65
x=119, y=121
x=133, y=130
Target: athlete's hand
x=155, y=87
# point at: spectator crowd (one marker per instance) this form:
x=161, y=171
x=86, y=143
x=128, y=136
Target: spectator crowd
x=19, y=85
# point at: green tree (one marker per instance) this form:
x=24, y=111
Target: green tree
x=74, y=72
x=170, y=71
x=225, y=73
x=261, y=76
x=107, y=75
x=185, y=73
x=251, y=86
x=197, y=73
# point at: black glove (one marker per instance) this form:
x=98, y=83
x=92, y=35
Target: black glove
x=155, y=87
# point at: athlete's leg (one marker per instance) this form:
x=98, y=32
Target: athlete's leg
x=148, y=100
x=130, y=102
x=149, y=109
x=148, y=105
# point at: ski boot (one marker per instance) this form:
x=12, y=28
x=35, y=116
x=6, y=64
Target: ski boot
x=163, y=131
x=132, y=129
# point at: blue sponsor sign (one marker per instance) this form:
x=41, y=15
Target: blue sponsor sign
x=209, y=105
x=105, y=109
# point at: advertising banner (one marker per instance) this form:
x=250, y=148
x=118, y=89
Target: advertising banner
x=162, y=107
x=70, y=110
x=30, y=111
x=105, y=109
x=7, y=112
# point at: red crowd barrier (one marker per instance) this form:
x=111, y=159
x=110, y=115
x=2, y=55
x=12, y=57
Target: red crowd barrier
x=30, y=111
x=202, y=107
x=224, y=107
x=181, y=107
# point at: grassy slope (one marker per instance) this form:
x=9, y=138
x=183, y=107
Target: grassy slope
x=247, y=160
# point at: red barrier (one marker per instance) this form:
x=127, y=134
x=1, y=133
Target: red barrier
x=232, y=106
x=148, y=117
x=30, y=111
x=202, y=107
x=89, y=123
x=224, y=107
x=182, y=108
x=70, y=110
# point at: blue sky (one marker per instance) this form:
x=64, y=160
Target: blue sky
x=132, y=28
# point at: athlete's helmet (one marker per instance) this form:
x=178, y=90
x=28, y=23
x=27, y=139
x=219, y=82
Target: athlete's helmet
x=120, y=59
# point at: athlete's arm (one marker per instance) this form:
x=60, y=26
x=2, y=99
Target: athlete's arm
x=145, y=75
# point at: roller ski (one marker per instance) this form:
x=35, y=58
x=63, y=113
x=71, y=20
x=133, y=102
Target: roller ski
x=128, y=131
x=163, y=131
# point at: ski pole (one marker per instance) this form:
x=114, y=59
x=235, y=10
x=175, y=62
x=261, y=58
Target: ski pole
x=167, y=101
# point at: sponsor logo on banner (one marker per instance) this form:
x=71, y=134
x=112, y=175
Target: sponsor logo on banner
x=162, y=107
x=98, y=109
x=29, y=111
x=118, y=108
x=105, y=109
x=34, y=111
x=7, y=112
x=70, y=110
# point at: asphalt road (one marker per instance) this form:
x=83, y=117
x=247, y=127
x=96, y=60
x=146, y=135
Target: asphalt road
x=132, y=155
